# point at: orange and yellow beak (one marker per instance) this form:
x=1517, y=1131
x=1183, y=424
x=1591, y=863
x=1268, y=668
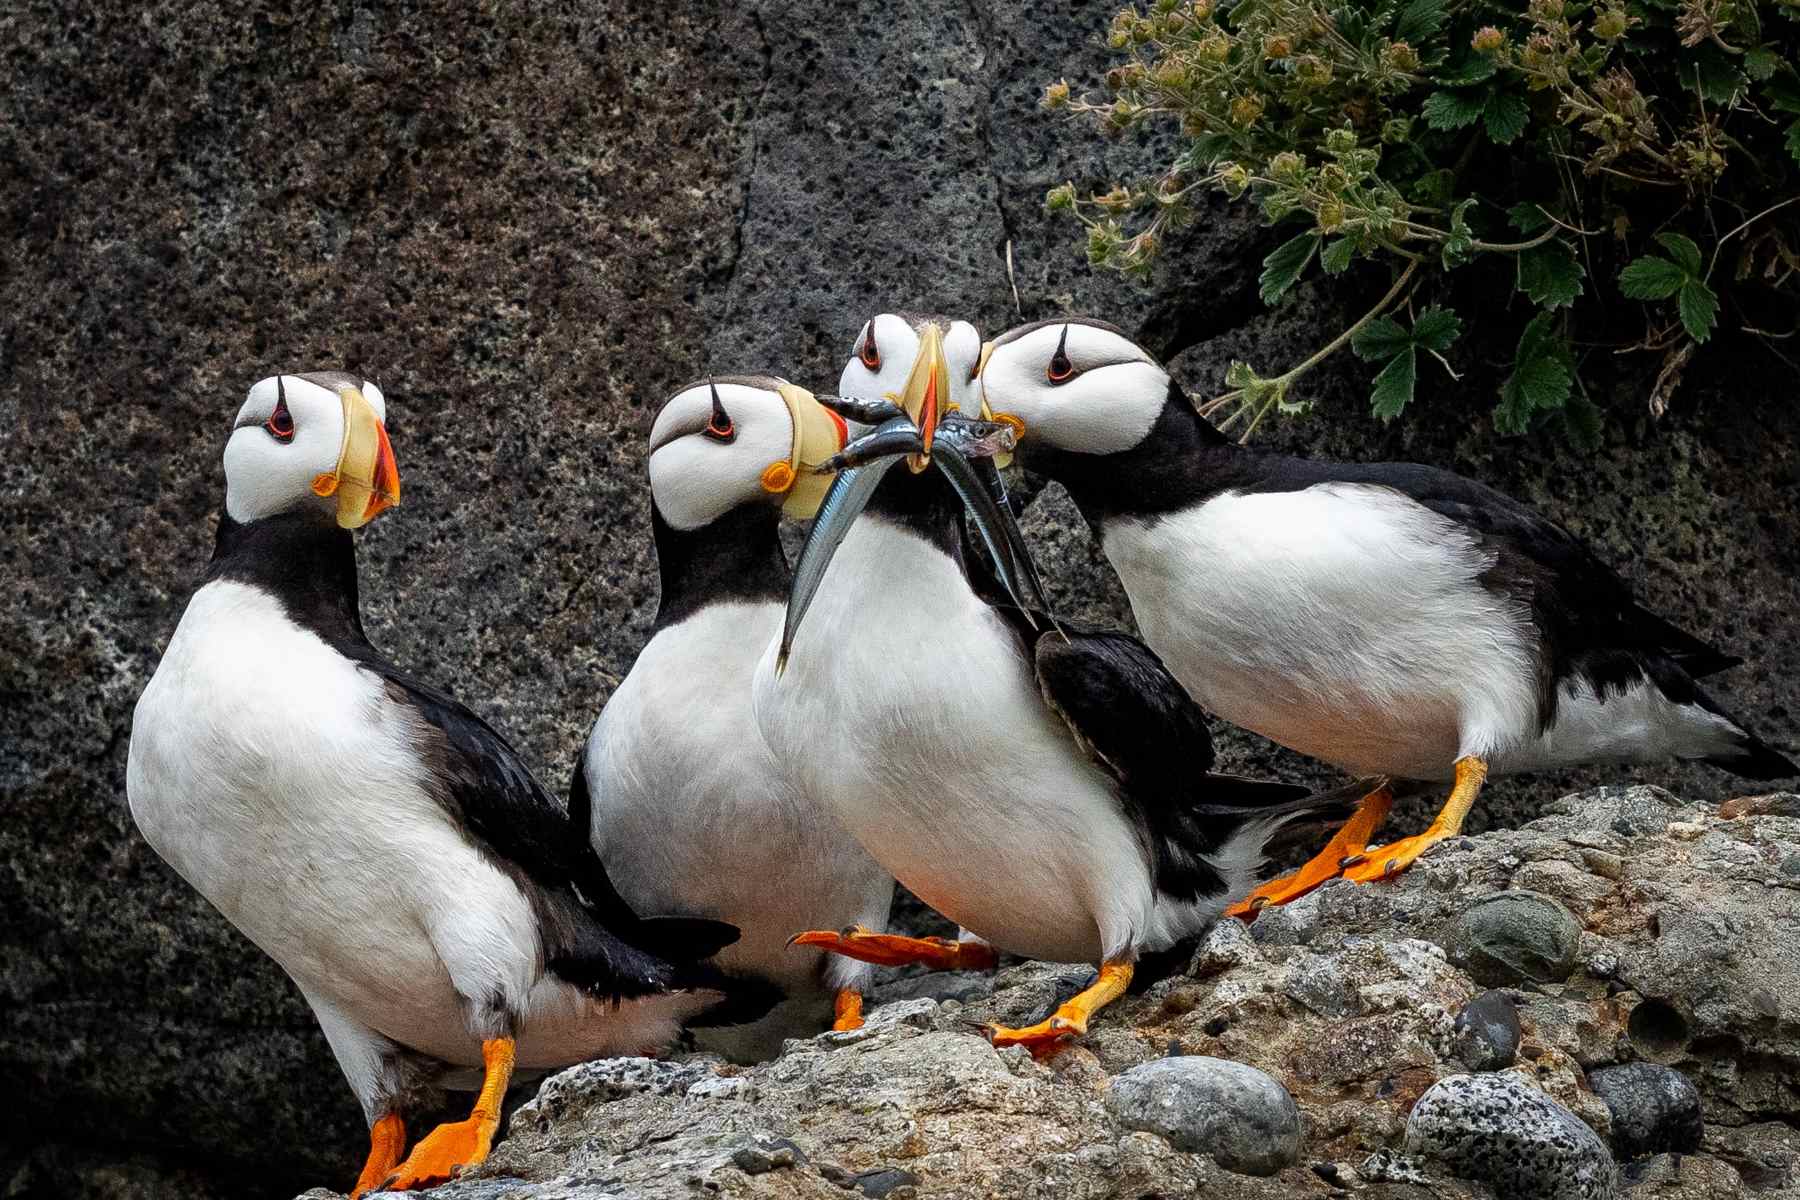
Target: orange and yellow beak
x=366, y=480
x=819, y=433
x=926, y=393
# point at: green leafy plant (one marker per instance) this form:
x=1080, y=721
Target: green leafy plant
x=1616, y=151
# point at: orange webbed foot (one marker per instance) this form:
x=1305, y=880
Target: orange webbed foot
x=456, y=1146
x=893, y=950
x=387, y=1140
x=443, y=1154
x=1345, y=849
x=1070, y=1020
x=1385, y=862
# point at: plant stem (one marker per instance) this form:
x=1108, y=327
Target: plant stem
x=1337, y=343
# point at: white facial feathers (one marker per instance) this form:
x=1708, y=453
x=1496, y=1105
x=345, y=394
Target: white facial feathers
x=880, y=369
x=1081, y=387
x=267, y=473
x=701, y=469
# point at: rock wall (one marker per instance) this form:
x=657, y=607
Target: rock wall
x=530, y=225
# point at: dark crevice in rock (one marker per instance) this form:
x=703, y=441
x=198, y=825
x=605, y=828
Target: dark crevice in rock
x=986, y=37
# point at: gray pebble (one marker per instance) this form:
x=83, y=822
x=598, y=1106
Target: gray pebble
x=1499, y=1130
x=1655, y=1109
x=1511, y=937
x=772, y=1154
x=1487, y=1032
x=1239, y=1115
x=881, y=1183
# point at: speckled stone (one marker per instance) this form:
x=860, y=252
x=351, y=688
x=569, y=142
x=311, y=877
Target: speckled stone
x=1655, y=1109
x=1499, y=1130
x=1237, y=1114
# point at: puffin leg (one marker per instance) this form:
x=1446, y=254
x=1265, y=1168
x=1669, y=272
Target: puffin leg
x=455, y=1145
x=892, y=950
x=1345, y=849
x=1384, y=862
x=848, y=1008
x=1071, y=1019
x=387, y=1139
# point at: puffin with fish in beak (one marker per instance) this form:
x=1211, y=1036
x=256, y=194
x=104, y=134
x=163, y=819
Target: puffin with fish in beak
x=443, y=918
x=1047, y=787
x=690, y=810
x=1392, y=619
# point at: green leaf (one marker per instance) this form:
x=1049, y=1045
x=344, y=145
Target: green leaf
x=1784, y=93
x=1420, y=20
x=1683, y=251
x=1699, y=309
x=1713, y=74
x=1383, y=337
x=1336, y=256
x=1760, y=62
x=1527, y=217
x=1460, y=241
x=1393, y=387
x=1454, y=110
x=1550, y=274
x=1436, y=328
x=1581, y=417
x=1793, y=141
x=1540, y=380
x=1651, y=278
x=1476, y=68
x=1505, y=117
x=1284, y=265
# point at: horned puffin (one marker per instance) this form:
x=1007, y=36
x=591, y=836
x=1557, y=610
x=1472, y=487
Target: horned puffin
x=691, y=811
x=1390, y=618
x=383, y=844
x=1045, y=786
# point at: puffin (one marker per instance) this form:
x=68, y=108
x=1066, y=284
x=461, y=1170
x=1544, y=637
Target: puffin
x=689, y=810
x=1046, y=786
x=446, y=922
x=1392, y=619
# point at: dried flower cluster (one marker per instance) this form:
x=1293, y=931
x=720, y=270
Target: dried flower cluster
x=1652, y=148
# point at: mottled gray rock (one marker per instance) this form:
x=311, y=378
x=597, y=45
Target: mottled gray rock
x=1516, y=937
x=1237, y=1114
x=1500, y=1130
x=1655, y=1109
x=1487, y=1032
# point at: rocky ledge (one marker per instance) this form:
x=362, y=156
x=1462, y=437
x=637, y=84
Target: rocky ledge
x=1604, y=1002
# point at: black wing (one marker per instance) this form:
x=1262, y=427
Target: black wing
x=1139, y=724
x=1580, y=602
x=592, y=938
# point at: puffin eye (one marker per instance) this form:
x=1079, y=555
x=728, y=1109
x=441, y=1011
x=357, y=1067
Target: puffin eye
x=720, y=428
x=1061, y=370
x=281, y=422
x=869, y=354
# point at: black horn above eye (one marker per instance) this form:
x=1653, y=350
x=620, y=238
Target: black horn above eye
x=720, y=428
x=1061, y=370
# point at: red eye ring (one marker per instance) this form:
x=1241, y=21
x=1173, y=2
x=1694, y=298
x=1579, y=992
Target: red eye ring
x=281, y=422
x=869, y=354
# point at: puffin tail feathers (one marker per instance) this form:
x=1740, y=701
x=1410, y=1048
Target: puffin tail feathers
x=1756, y=759
x=684, y=939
